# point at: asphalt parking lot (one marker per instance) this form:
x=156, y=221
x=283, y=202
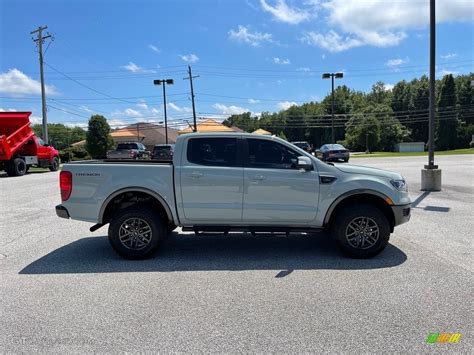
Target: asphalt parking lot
x=63, y=289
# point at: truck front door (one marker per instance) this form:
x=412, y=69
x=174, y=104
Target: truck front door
x=275, y=191
x=211, y=183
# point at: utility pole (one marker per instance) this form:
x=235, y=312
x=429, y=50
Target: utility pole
x=138, y=132
x=190, y=78
x=39, y=41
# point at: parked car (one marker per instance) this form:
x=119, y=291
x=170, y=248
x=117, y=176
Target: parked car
x=20, y=148
x=163, y=152
x=304, y=145
x=331, y=152
x=234, y=181
x=129, y=150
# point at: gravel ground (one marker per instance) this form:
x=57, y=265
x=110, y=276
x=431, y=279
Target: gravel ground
x=64, y=290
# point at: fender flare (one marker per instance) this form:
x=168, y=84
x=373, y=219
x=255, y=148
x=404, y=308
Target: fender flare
x=342, y=197
x=135, y=189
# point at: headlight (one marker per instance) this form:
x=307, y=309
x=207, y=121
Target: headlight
x=400, y=185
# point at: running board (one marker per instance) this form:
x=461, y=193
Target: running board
x=252, y=229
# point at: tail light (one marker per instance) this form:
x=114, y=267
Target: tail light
x=132, y=153
x=65, y=184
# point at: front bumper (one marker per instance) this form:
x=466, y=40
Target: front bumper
x=402, y=213
x=62, y=212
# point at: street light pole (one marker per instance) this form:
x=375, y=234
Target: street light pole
x=164, y=82
x=332, y=76
x=431, y=175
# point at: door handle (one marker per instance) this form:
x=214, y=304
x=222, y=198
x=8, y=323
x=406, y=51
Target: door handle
x=195, y=175
x=259, y=178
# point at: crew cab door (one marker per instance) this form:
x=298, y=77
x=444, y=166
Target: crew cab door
x=275, y=191
x=211, y=182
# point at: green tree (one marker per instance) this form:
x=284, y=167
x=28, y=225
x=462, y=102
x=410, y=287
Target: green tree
x=446, y=133
x=59, y=135
x=98, y=139
x=363, y=130
x=379, y=94
x=419, y=105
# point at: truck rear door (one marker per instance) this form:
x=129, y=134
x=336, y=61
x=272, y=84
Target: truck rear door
x=211, y=180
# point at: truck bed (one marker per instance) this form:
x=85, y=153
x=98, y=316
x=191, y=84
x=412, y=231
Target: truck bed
x=15, y=131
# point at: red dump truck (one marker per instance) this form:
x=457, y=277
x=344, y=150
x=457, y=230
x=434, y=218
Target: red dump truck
x=20, y=148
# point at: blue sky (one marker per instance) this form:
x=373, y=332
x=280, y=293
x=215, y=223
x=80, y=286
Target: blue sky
x=255, y=55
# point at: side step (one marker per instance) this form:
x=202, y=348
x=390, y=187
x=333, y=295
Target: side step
x=252, y=229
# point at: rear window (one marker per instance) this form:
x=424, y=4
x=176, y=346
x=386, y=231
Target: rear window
x=126, y=146
x=213, y=151
x=158, y=149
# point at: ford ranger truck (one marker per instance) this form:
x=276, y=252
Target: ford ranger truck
x=234, y=182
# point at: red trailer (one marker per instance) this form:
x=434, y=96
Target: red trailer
x=20, y=148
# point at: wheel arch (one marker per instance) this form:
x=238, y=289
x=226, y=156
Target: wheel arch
x=361, y=197
x=133, y=195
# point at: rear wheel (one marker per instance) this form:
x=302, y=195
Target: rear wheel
x=16, y=167
x=361, y=231
x=136, y=232
x=54, y=164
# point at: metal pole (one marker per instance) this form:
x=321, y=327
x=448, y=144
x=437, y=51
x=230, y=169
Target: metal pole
x=166, y=117
x=192, y=98
x=332, y=109
x=432, y=86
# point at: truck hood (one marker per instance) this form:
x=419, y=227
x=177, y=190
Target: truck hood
x=358, y=169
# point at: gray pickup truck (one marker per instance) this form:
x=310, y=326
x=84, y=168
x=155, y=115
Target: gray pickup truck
x=129, y=150
x=234, y=182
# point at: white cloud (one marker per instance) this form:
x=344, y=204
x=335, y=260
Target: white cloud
x=380, y=23
x=15, y=82
x=396, y=62
x=389, y=87
x=136, y=68
x=190, y=58
x=284, y=105
x=229, y=110
x=129, y=112
x=246, y=36
x=253, y=101
x=283, y=13
x=176, y=108
x=9, y=110
x=449, y=56
x=303, y=69
x=331, y=41
x=142, y=105
x=281, y=61
x=154, y=48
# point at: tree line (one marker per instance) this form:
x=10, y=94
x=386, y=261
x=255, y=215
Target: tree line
x=379, y=119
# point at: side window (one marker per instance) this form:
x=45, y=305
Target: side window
x=212, y=151
x=270, y=155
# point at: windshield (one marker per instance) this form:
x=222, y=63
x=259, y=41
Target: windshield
x=126, y=146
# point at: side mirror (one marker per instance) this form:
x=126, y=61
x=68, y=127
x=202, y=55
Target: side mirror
x=304, y=163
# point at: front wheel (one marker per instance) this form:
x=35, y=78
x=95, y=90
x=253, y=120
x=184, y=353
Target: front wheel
x=136, y=232
x=54, y=164
x=361, y=231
